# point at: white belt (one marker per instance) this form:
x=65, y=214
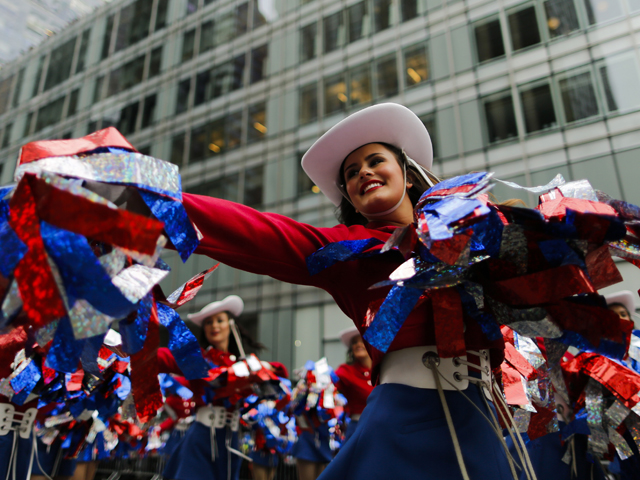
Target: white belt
x=182, y=426
x=218, y=417
x=407, y=367
x=12, y=420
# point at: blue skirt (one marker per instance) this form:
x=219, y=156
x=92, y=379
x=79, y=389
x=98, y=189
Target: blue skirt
x=191, y=459
x=265, y=459
x=313, y=446
x=351, y=429
x=546, y=457
x=403, y=433
x=173, y=441
x=47, y=457
x=21, y=458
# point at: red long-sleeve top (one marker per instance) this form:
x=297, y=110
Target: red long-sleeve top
x=356, y=385
x=167, y=364
x=278, y=246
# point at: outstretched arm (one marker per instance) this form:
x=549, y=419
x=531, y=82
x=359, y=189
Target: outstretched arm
x=262, y=243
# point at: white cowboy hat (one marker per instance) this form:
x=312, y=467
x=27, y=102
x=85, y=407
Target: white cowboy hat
x=623, y=297
x=384, y=123
x=232, y=304
x=347, y=335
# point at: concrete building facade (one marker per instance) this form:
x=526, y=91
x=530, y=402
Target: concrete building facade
x=234, y=91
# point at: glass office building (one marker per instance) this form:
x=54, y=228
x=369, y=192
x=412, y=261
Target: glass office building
x=234, y=91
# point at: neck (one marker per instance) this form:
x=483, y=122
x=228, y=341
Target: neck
x=222, y=346
x=400, y=217
x=365, y=362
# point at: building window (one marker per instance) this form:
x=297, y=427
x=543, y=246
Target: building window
x=335, y=94
x=416, y=65
x=562, y=18
x=501, y=119
x=50, y=114
x=578, y=97
x=357, y=19
x=177, y=149
x=523, y=27
x=309, y=103
x=27, y=125
x=489, y=42
x=257, y=128
x=5, y=93
x=207, y=140
x=304, y=185
x=207, y=36
x=128, y=116
x=18, y=90
x=188, y=45
x=161, y=14
x=192, y=6
x=360, y=85
x=387, y=76
x=126, y=76
x=182, y=101
x=6, y=136
x=98, y=88
x=92, y=126
x=234, y=130
x=60, y=64
x=106, y=38
x=38, y=77
x=73, y=102
x=134, y=23
x=148, y=111
x=241, y=20
x=600, y=11
x=409, y=9
x=220, y=80
x=253, y=182
x=82, y=54
x=259, y=63
x=258, y=18
x=382, y=15
x=537, y=107
x=155, y=62
x=333, y=27
x=308, y=38
x=429, y=122
x=145, y=150
x=620, y=81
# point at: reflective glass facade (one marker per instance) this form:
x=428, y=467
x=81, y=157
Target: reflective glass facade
x=235, y=91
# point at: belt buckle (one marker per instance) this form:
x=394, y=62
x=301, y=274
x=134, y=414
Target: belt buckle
x=6, y=417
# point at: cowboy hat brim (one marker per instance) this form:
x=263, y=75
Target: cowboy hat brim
x=384, y=123
x=232, y=304
x=347, y=335
x=623, y=297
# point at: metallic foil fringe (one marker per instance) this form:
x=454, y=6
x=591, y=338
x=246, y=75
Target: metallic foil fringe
x=555, y=182
x=138, y=280
x=132, y=169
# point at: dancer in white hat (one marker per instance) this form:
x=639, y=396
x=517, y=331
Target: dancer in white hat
x=206, y=451
x=374, y=165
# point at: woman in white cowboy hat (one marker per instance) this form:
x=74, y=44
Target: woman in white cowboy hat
x=623, y=303
x=374, y=165
x=355, y=377
x=205, y=451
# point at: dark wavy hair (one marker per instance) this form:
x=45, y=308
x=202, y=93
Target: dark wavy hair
x=250, y=343
x=346, y=213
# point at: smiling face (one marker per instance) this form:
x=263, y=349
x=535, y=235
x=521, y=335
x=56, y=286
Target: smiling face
x=358, y=350
x=374, y=182
x=620, y=310
x=217, y=330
